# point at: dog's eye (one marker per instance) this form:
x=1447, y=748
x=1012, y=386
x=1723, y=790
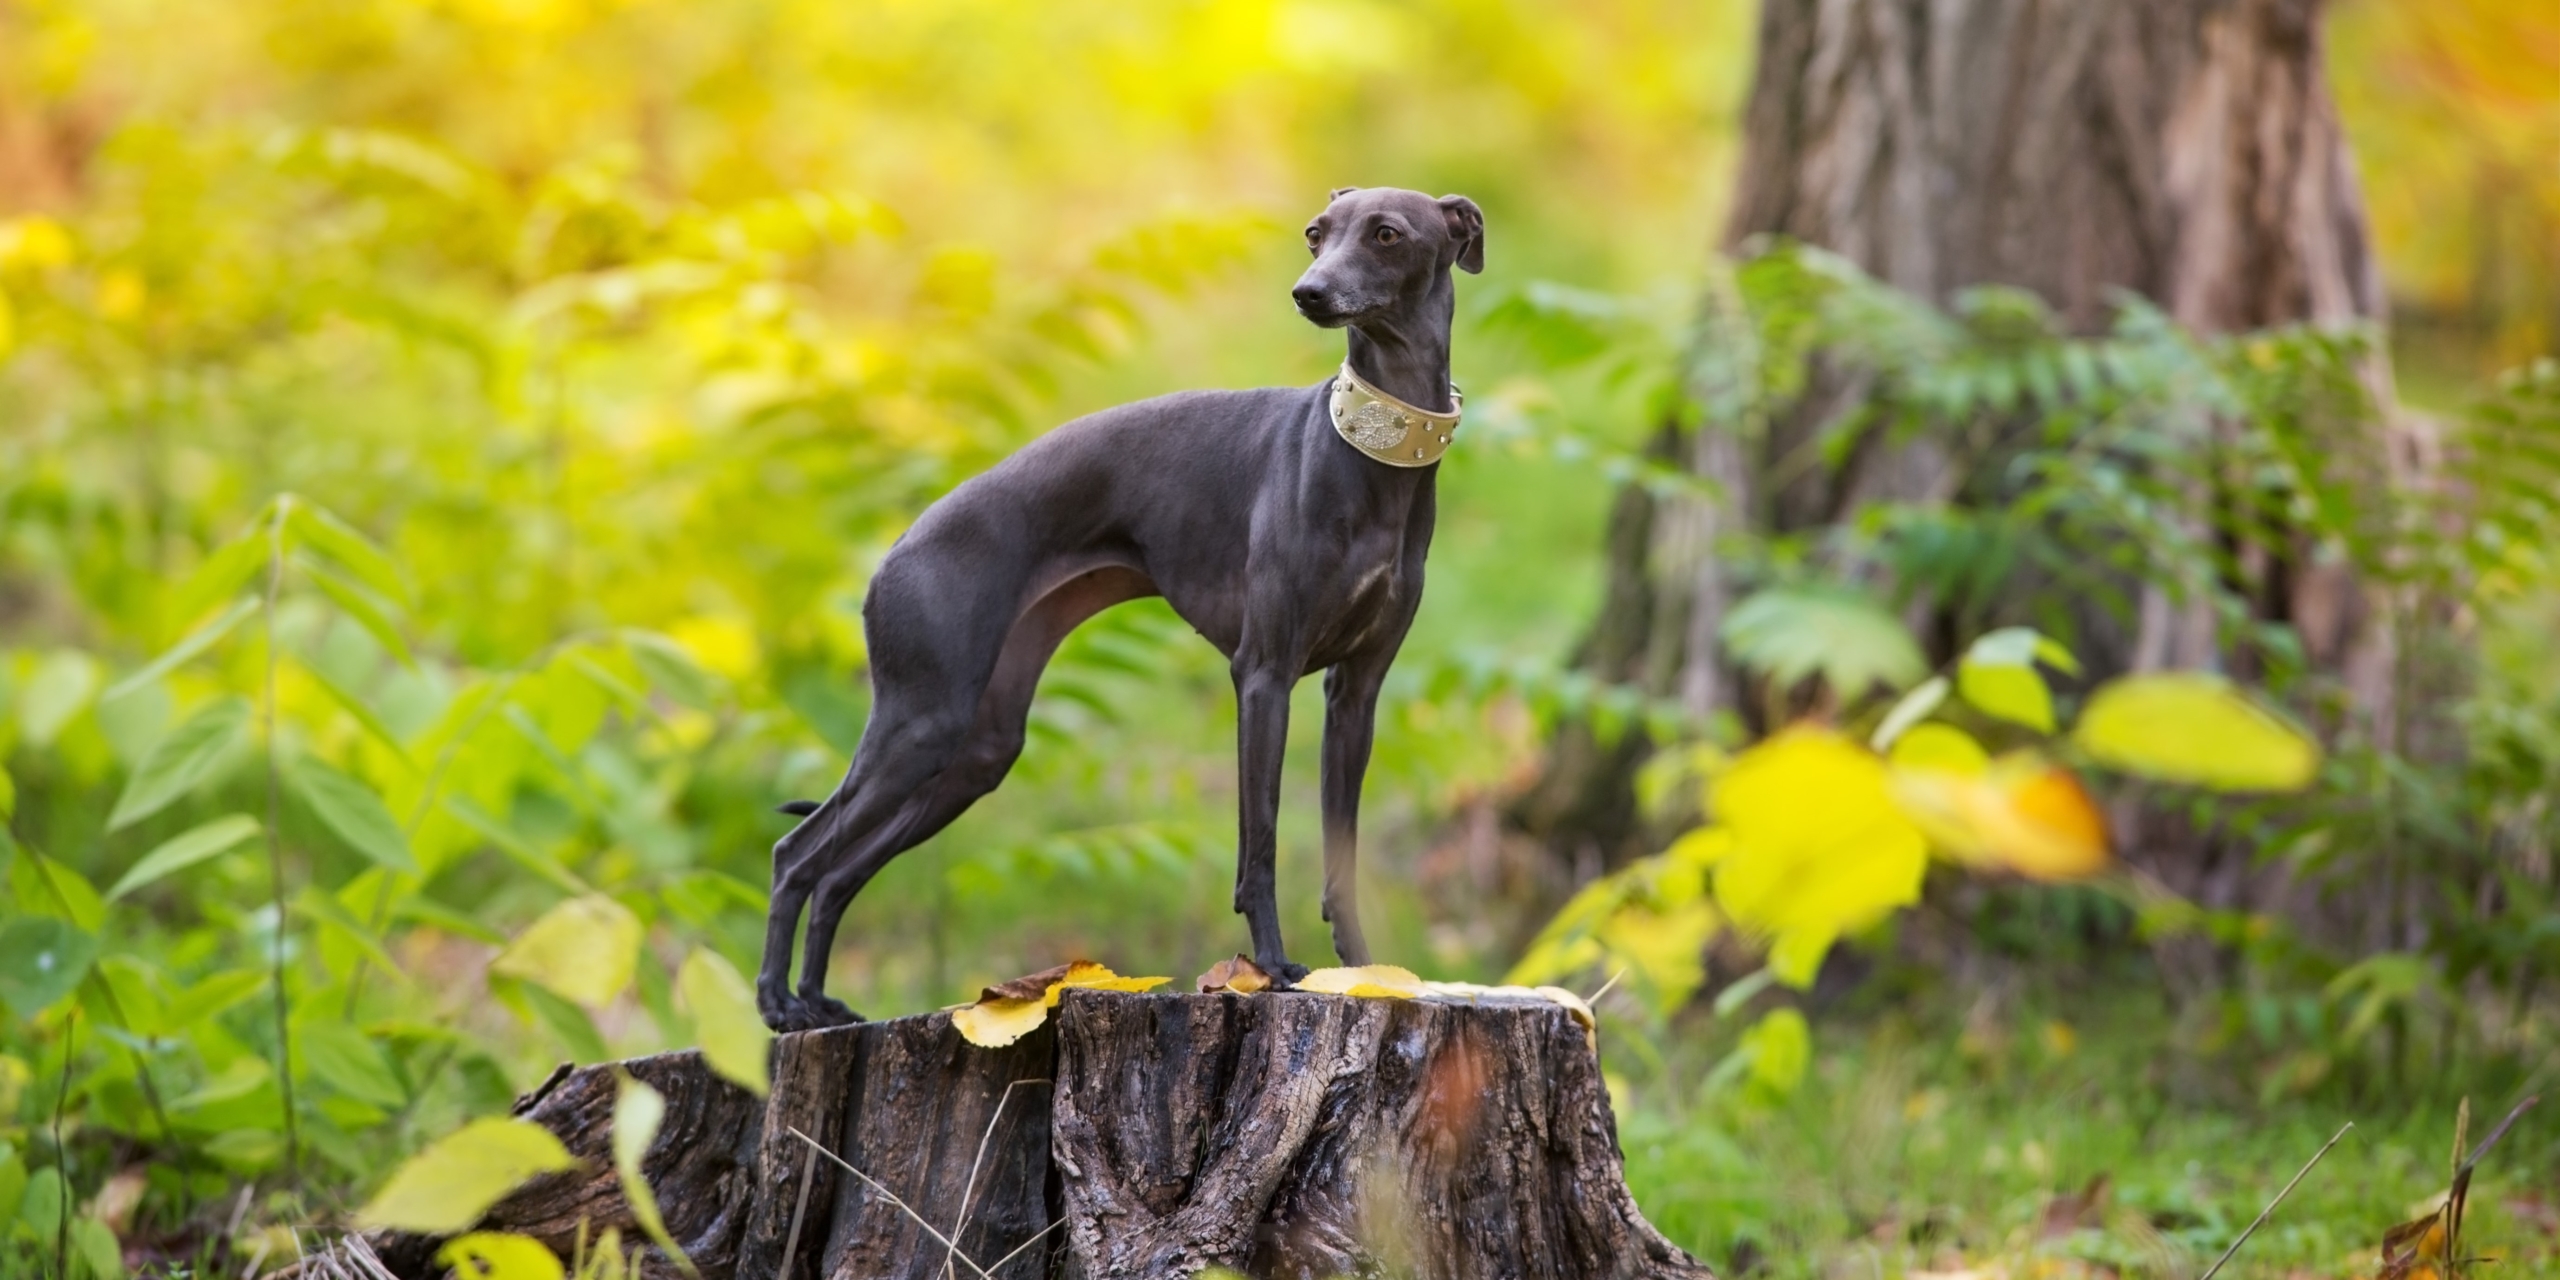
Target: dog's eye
x=1387, y=235
x=1315, y=239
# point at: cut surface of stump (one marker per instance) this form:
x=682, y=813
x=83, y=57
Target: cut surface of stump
x=1283, y=1135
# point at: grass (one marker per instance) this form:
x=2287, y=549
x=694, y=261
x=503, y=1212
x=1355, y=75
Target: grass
x=1944, y=1143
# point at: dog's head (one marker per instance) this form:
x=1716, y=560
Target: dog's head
x=1380, y=248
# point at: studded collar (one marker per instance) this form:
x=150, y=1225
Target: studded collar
x=1388, y=429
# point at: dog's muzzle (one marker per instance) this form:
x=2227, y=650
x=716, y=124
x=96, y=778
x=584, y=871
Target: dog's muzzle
x=1388, y=429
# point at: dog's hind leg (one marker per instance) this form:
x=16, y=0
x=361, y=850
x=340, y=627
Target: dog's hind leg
x=993, y=743
x=899, y=755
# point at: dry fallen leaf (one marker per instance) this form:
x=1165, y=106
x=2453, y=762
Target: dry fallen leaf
x=1239, y=975
x=1008, y=1011
x=2084, y=1210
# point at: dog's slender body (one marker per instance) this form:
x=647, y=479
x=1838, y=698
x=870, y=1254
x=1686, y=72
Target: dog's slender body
x=1281, y=543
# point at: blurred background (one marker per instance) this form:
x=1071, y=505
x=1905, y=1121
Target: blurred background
x=604, y=346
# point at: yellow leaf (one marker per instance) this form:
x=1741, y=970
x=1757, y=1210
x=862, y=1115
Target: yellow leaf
x=1371, y=981
x=446, y=1187
x=637, y=1112
x=1816, y=840
x=1938, y=746
x=2187, y=726
x=1703, y=847
x=120, y=294
x=1087, y=974
x=1666, y=948
x=1795, y=956
x=733, y=1035
x=584, y=950
x=993, y=1024
x=34, y=243
x=2022, y=813
x=499, y=1255
x=1009, y=1011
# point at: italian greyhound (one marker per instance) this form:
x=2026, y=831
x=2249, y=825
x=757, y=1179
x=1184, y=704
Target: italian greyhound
x=1285, y=524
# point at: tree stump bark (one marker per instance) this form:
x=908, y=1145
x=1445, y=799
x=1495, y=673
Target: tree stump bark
x=1280, y=1136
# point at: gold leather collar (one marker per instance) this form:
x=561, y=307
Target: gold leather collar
x=1388, y=429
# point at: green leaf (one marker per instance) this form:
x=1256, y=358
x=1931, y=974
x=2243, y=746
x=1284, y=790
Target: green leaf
x=516, y=848
x=1781, y=1046
x=322, y=907
x=351, y=809
x=2191, y=727
x=733, y=1035
x=1788, y=633
x=637, y=1112
x=2015, y=694
x=8, y=797
x=44, y=1203
x=223, y=574
x=583, y=950
x=316, y=528
x=566, y=1020
x=181, y=760
x=195, y=642
x=42, y=958
x=56, y=692
x=97, y=1247
x=363, y=714
x=1998, y=676
x=446, y=1187
x=670, y=669
x=179, y=852
x=1915, y=706
x=349, y=1061
x=365, y=609
x=46, y=887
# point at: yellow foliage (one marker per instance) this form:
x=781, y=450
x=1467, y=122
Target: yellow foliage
x=1817, y=840
x=2192, y=727
x=733, y=1036
x=1009, y=1011
x=583, y=950
x=2021, y=812
x=450, y=1184
x=498, y=1255
x=1375, y=981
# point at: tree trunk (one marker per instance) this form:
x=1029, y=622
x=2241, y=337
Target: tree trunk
x=2184, y=150
x=1294, y=1136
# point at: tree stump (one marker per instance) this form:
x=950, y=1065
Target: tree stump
x=1280, y=1136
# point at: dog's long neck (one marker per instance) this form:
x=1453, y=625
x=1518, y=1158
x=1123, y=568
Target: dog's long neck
x=1406, y=354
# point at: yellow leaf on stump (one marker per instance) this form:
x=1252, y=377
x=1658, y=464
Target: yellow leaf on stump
x=1008, y=1011
x=1371, y=981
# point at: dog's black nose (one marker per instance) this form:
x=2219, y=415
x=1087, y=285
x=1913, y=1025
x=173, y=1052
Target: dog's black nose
x=1310, y=297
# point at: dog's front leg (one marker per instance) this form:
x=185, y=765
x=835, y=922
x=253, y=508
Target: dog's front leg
x=1262, y=735
x=1350, y=723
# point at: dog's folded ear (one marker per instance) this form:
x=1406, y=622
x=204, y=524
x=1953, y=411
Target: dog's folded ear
x=1466, y=230
x=1340, y=192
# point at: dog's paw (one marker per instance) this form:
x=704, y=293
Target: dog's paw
x=794, y=1013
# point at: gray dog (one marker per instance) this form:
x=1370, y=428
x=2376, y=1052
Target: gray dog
x=1286, y=524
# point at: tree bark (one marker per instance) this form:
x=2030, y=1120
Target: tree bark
x=2184, y=150
x=1284, y=1136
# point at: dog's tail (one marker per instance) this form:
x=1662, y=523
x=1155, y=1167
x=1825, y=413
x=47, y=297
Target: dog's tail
x=797, y=808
